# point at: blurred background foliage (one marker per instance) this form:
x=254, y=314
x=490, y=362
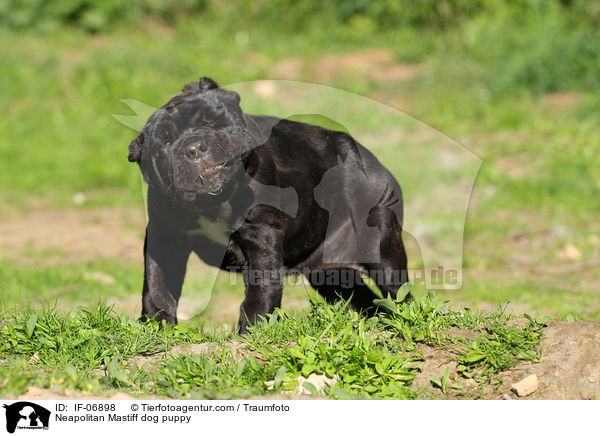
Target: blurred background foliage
x=540, y=45
x=100, y=16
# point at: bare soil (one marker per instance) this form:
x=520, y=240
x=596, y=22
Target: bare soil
x=568, y=370
x=375, y=65
x=60, y=236
x=378, y=64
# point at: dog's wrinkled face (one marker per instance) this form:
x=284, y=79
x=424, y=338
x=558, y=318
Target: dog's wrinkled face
x=191, y=148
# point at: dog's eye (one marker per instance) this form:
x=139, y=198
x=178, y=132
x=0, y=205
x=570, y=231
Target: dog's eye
x=192, y=153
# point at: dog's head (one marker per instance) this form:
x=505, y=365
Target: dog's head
x=191, y=148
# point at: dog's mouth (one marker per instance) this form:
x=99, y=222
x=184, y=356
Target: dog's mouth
x=204, y=183
x=212, y=173
x=217, y=191
x=205, y=187
x=203, y=194
x=193, y=196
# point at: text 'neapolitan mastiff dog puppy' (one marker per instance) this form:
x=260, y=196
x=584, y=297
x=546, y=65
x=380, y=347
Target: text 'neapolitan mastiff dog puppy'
x=266, y=197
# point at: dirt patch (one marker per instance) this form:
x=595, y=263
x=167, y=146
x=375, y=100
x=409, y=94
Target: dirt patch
x=67, y=235
x=568, y=370
x=236, y=349
x=562, y=100
x=516, y=167
x=289, y=69
x=378, y=64
x=436, y=362
x=401, y=103
x=570, y=365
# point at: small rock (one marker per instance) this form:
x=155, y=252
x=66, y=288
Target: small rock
x=506, y=397
x=79, y=198
x=265, y=88
x=526, y=386
x=318, y=381
x=570, y=252
x=469, y=382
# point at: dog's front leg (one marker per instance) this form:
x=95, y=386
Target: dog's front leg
x=263, y=248
x=165, y=258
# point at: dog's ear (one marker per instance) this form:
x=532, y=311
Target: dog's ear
x=207, y=84
x=204, y=84
x=135, y=148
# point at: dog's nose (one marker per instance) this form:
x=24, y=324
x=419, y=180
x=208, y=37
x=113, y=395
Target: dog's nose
x=194, y=152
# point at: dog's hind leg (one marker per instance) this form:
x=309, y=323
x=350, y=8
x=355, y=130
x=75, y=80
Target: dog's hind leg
x=391, y=272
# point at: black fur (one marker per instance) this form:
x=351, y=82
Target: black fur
x=287, y=197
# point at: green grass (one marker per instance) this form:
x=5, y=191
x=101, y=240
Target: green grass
x=67, y=285
x=497, y=345
x=92, y=351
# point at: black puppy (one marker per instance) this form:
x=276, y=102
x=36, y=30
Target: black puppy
x=267, y=197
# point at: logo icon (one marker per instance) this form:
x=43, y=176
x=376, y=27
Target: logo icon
x=26, y=415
